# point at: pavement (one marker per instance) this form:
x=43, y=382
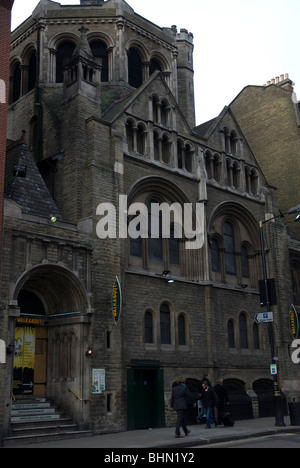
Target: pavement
x=164, y=438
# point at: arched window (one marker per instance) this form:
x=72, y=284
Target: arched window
x=63, y=56
x=245, y=262
x=229, y=245
x=99, y=50
x=155, y=104
x=165, y=324
x=156, y=143
x=215, y=257
x=217, y=168
x=179, y=154
x=32, y=72
x=155, y=246
x=188, y=158
x=165, y=110
x=235, y=175
x=233, y=143
x=243, y=331
x=154, y=65
x=148, y=325
x=230, y=332
x=16, y=82
x=254, y=182
x=141, y=139
x=181, y=330
x=135, y=68
x=166, y=149
x=130, y=135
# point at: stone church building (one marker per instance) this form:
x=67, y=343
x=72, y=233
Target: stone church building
x=102, y=110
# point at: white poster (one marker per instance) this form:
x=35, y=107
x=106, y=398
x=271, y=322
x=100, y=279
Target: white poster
x=98, y=381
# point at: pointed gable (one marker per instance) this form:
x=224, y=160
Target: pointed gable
x=137, y=103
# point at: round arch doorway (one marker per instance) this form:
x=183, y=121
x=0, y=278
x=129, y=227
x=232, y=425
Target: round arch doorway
x=51, y=333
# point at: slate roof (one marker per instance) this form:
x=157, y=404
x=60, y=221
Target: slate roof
x=29, y=192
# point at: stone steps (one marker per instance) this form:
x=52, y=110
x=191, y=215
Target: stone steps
x=34, y=421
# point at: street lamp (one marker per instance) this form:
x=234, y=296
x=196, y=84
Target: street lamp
x=279, y=416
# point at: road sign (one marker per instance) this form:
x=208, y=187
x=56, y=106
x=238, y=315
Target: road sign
x=265, y=317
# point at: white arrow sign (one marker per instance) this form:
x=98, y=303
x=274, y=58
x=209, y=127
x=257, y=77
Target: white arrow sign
x=265, y=317
x=30, y=385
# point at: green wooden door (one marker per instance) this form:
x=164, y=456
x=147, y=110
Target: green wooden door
x=145, y=398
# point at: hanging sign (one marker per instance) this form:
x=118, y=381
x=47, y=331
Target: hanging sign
x=116, y=300
x=294, y=322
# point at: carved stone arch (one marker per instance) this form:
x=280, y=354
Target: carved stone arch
x=27, y=51
x=57, y=287
x=237, y=213
x=161, y=60
x=131, y=121
x=54, y=44
x=101, y=36
x=105, y=54
x=15, y=79
x=140, y=47
x=157, y=185
x=59, y=38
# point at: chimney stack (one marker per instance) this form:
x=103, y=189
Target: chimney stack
x=283, y=81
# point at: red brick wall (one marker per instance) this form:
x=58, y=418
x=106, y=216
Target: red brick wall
x=5, y=22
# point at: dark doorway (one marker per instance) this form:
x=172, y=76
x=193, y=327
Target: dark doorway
x=145, y=398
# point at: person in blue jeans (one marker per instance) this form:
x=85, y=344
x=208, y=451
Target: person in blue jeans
x=208, y=402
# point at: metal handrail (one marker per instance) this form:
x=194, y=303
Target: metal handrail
x=76, y=396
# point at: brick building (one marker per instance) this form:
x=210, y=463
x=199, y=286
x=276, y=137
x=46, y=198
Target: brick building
x=5, y=20
x=270, y=120
x=104, y=102
x=5, y=11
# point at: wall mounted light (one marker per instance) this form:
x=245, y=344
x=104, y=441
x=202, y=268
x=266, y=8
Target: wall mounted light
x=166, y=274
x=89, y=351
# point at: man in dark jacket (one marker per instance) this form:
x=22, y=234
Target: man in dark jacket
x=223, y=398
x=209, y=401
x=180, y=397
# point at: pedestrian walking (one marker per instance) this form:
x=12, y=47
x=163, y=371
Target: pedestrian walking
x=205, y=378
x=179, y=402
x=208, y=401
x=223, y=399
